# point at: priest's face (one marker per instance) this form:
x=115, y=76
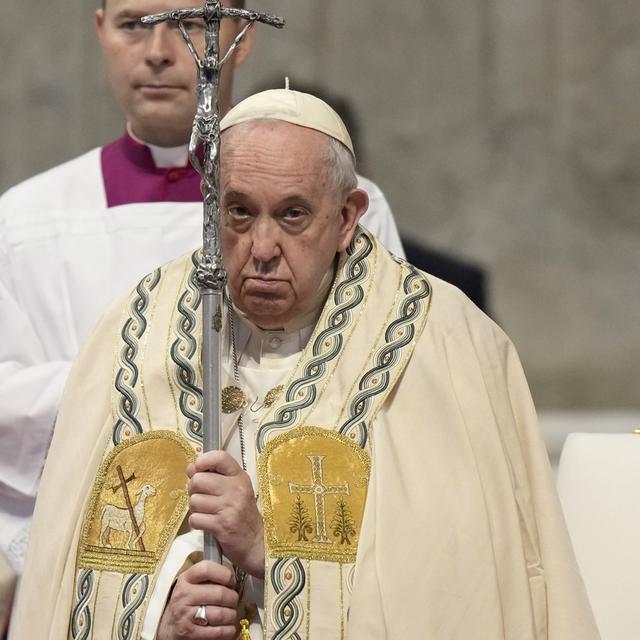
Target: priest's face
x=283, y=219
x=152, y=73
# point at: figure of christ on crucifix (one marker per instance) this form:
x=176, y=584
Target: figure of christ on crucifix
x=206, y=124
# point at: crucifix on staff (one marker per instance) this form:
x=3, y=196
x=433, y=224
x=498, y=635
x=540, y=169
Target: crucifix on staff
x=211, y=273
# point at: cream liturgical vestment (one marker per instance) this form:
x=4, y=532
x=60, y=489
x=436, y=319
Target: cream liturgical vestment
x=404, y=487
x=72, y=239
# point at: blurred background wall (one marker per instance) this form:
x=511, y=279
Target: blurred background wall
x=504, y=131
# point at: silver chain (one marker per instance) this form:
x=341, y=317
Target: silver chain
x=236, y=377
x=239, y=573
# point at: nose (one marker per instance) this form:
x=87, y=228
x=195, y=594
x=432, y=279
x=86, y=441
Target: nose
x=265, y=245
x=160, y=52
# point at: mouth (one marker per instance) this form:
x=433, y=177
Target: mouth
x=263, y=283
x=264, y=279
x=158, y=88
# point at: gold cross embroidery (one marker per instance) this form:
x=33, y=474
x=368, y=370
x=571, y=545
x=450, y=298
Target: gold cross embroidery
x=319, y=490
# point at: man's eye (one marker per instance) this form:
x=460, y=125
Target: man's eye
x=193, y=25
x=238, y=212
x=294, y=214
x=133, y=25
x=130, y=25
x=189, y=25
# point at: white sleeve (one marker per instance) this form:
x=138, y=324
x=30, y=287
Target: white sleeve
x=379, y=218
x=179, y=552
x=184, y=549
x=30, y=391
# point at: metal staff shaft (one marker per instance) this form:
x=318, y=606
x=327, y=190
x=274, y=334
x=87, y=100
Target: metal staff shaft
x=211, y=273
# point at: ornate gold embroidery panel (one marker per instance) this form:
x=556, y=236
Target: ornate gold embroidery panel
x=138, y=502
x=313, y=485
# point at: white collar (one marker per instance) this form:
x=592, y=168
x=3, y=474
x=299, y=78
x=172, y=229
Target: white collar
x=164, y=157
x=273, y=349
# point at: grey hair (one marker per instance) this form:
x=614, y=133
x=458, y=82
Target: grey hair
x=341, y=169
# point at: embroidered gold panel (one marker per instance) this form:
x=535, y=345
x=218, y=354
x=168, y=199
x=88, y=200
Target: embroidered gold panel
x=313, y=486
x=138, y=502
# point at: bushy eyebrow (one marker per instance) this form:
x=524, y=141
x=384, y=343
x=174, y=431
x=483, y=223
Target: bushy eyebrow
x=294, y=199
x=233, y=194
x=129, y=13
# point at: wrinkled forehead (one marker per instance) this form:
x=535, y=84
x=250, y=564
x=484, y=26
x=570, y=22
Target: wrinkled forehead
x=280, y=142
x=276, y=131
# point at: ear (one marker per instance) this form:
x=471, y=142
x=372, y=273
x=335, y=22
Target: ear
x=245, y=47
x=99, y=23
x=355, y=205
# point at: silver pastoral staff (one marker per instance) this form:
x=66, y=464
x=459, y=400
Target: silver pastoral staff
x=212, y=275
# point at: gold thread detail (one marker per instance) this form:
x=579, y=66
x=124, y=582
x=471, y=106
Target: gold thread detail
x=232, y=399
x=125, y=560
x=156, y=295
x=181, y=288
x=348, y=461
x=408, y=352
x=117, y=345
x=375, y=348
x=272, y=395
x=356, y=321
x=319, y=327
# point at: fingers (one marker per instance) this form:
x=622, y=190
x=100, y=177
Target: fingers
x=200, y=503
x=208, y=572
x=214, y=595
x=205, y=584
x=222, y=502
x=226, y=491
x=231, y=503
x=220, y=616
x=204, y=522
x=210, y=484
x=219, y=461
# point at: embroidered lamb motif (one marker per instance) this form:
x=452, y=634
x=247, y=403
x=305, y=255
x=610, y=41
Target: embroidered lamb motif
x=124, y=519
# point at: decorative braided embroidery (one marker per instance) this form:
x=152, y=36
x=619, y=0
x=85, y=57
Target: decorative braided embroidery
x=133, y=595
x=81, y=619
x=288, y=579
x=127, y=376
x=183, y=350
x=328, y=344
x=398, y=335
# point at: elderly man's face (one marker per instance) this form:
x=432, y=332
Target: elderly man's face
x=152, y=73
x=282, y=220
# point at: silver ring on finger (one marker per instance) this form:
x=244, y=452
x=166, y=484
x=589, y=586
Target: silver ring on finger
x=200, y=616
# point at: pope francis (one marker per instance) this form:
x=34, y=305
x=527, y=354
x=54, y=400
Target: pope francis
x=382, y=473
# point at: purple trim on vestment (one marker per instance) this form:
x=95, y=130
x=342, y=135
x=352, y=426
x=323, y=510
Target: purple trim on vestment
x=130, y=175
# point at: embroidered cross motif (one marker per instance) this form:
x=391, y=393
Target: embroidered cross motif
x=319, y=490
x=316, y=513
